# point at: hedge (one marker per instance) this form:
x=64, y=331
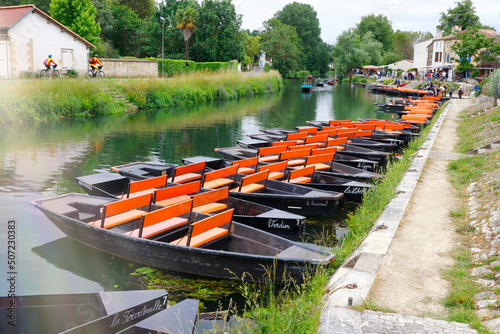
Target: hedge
x=173, y=66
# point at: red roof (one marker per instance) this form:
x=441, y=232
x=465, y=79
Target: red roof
x=10, y=15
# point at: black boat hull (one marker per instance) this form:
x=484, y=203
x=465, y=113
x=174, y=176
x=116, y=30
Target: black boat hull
x=227, y=263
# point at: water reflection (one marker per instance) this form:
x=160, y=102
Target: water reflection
x=42, y=160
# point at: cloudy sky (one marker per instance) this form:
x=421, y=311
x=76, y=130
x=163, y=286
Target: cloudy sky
x=336, y=16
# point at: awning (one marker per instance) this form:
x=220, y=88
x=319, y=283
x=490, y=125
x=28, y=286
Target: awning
x=444, y=66
x=370, y=67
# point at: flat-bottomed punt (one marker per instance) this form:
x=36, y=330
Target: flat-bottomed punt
x=238, y=250
x=263, y=217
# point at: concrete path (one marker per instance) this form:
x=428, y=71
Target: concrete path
x=354, y=280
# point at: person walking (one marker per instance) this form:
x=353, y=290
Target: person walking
x=451, y=90
x=460, y=91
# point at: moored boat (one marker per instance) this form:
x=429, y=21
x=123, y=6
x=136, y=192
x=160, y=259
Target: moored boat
x=261, y=216
x=238, y=250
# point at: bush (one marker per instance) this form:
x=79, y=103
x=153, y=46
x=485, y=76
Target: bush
x=72, y=74
x=267, y=68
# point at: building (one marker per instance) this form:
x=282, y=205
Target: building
x=439, y=53
x=28, y=35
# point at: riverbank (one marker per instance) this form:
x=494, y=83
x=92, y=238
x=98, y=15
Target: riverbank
x=434, y=234
x=38, y=101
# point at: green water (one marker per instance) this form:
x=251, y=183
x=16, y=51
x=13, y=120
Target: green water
x=40, y=161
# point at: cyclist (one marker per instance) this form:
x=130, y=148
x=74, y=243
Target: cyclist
x=47, y=62
x=95, y=64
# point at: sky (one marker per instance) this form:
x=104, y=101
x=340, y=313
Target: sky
x=336, y=16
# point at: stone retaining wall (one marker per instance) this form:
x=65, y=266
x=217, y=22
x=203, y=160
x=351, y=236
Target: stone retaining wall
x=129, y=68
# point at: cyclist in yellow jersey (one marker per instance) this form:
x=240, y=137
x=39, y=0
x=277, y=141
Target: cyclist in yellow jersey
x=47, y=62
x=95, y=64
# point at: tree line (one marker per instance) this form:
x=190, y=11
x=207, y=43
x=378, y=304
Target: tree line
x=211, y=31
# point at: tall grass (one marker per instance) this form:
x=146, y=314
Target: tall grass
x=37, y=100
x=198, y=87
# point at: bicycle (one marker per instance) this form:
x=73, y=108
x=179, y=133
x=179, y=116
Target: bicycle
x=97, y=74
x=45, y=73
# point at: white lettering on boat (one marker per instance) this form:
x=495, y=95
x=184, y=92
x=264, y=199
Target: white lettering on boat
x=132, y=314
x=273, y=223
x=354, y=190
x=317, y=203
x=364, y=166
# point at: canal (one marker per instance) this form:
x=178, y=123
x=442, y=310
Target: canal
x=42, y=160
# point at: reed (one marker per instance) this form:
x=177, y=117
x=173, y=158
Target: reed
x=198, y=87
x=37, y=100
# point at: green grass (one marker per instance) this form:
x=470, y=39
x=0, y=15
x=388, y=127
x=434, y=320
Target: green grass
x=37, y=100
x=198, y=87
x=462, y=172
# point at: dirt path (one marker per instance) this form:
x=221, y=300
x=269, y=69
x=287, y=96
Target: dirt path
x=410, y=279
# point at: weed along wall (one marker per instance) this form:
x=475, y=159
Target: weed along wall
x=130, y=68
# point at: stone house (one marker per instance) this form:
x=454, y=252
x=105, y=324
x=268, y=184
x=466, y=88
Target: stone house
x=28, y=35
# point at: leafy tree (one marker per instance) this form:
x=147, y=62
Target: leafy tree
x=474, y=48
x=252, y=46
x=372, y=47
x=187, y=20
x=79, y=16
x=404, y=42
x=218, y=36
x=104, y=16
x=304, y=19
x=349, y=54
x=9, y=3
x=143, y=8
x=282, y=43
x=462, y=15
x=124, y=34
x=381, y=28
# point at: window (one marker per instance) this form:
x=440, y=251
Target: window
x=67, y=59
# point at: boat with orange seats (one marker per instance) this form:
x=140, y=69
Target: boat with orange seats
x=181, y=240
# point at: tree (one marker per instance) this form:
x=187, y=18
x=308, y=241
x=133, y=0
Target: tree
x=218, y=36
x=143, y=8
x=282, y=43
x=474, y=47
x=304, y=19
x=462, y=15
x=372, y=47
x=79, y=16
x=252, y=46
x=348, y=54
x=404, y=42
x=187, y=20
x=381, y=28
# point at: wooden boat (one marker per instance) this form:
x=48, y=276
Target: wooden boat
x=233, y=249
x=91, y=312
x=353, y=190
x=257, y=215
x=238, y=153
x=291, y=198
x=306, y=88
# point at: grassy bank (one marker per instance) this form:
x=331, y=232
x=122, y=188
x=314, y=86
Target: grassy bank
x=197, y=88
x=37, y=100
x=479, y=127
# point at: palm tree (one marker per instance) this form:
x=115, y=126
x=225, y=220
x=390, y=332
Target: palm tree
x=187, y=19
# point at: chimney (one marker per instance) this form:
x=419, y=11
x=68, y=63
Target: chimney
x=439, y=33
x=456, y=29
